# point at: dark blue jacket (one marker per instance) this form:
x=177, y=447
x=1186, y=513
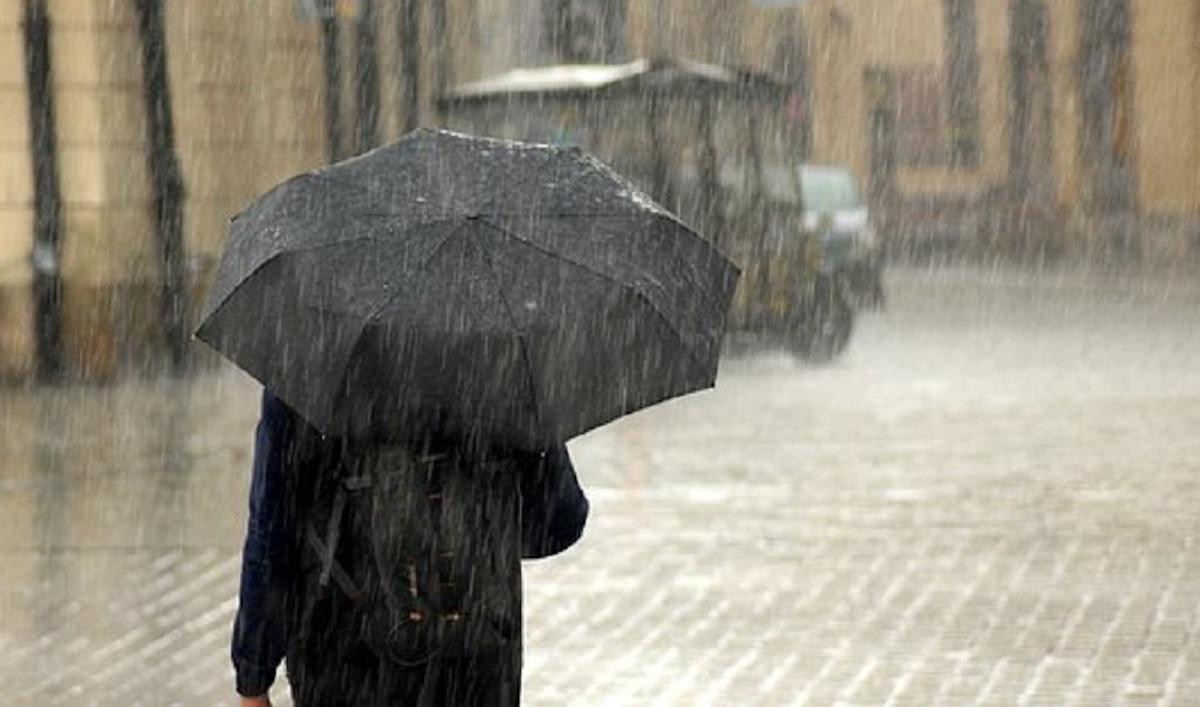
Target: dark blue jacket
x=553, y=512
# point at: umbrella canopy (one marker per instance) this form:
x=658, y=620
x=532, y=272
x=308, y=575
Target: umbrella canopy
x=521, y=292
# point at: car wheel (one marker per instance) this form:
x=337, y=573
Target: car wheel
x=826, y=327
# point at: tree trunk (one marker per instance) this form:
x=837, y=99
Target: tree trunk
x=410, y=60
x=167, y=180
x=334, y=128
x=441, y=55
x=1106, y=107
x=47, y=204
x=366, y=80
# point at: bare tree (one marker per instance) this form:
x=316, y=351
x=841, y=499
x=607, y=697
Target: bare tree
x=366, y=79
x=47, y=285
x=331, y=46
x=441, y=51
x=1106, y=106
x=410, y=61
x=167, y=179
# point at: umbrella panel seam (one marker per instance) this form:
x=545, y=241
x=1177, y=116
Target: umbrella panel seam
x=584, y=158
x=466, y=221
x=645, y=213
x=624, y=285
x=520, y=182
x=330, y=174
x=343, y=376
x=374, y=316
x=537, y=413
x=556, y=159
x=305, y=249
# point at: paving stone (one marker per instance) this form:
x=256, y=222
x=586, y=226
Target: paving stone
x=986, y=501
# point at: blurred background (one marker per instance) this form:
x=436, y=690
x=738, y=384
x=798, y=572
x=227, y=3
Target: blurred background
x=131, y=134
x=985, y=494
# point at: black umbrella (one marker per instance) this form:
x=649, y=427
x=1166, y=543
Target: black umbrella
x=523, y=292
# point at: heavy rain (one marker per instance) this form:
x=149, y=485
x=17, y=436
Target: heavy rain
x=619, y=352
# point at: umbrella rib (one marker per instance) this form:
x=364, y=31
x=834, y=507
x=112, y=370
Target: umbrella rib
x=595, y=164
x=271, y=257
x=522, y=181
x=424, y=264
x=355, y=239
x=559, y=256
x=604, y=276
x=532, y=173
x=650, y=209
x=326, y=176
x=218, y=306
x=533, y=397
x=610, y=216
x=443, y=242
x=669, y=218
x=344, y=365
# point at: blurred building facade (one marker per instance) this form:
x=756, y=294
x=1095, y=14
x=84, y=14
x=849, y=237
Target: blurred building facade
x=259, y=91
x=1022, y=126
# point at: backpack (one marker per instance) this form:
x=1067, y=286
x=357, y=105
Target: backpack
x=415, y=555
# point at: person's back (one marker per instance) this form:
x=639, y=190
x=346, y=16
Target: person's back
x=408, y=570
x=402, y=578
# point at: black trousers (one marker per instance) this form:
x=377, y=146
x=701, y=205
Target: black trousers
x=366, y=680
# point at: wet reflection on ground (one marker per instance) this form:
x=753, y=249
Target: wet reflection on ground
x=995, y=486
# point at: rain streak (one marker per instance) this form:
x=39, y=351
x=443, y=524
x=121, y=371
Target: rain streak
x=600, y=352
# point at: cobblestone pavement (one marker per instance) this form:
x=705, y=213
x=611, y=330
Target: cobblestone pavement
x=991, y=499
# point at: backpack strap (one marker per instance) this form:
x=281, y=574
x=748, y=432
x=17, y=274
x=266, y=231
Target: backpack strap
x=330, y=568
x=336, y=571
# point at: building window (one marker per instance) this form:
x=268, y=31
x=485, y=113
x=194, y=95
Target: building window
x=584, y=32
x=920, y=117
x=962, y=82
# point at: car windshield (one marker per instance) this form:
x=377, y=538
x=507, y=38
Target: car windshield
x=825, y=189
x=829, y=189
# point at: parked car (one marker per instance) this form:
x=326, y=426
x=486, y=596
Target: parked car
x=819, y=261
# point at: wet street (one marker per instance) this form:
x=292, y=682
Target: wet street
x=991, y=499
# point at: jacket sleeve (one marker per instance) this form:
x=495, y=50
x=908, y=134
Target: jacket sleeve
x=260, y=628
x=554, y=508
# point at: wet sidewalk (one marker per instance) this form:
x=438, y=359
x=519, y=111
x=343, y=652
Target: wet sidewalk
x=991, y=499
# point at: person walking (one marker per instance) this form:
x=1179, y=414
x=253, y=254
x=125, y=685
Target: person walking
x=432, y=321
x=389, y=574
